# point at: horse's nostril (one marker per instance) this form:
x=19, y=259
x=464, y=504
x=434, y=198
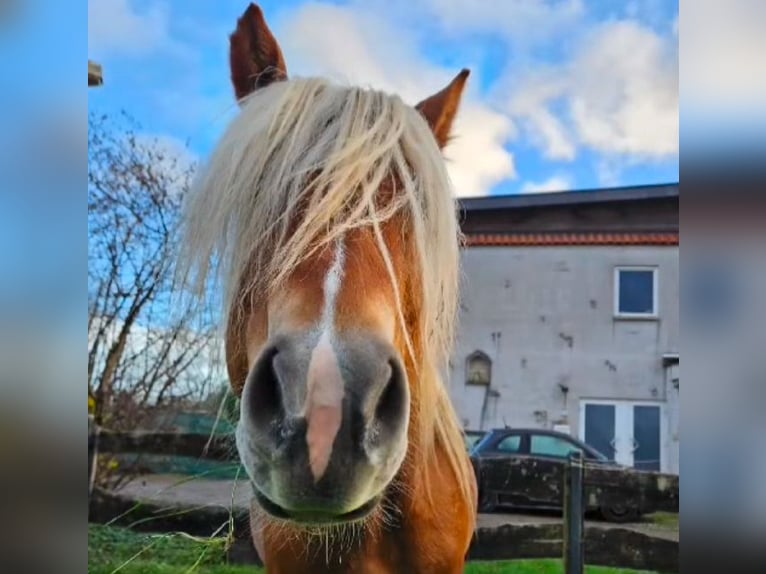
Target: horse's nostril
x=266, y=392
x=391, y=404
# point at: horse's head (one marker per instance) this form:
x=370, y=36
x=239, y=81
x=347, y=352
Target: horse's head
x=332, y=211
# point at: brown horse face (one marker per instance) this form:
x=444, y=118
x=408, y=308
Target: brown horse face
x=325, y=406
x=325, y=402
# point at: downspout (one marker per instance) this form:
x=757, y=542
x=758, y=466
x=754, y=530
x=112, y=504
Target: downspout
x=488, y=389
x=484, y=407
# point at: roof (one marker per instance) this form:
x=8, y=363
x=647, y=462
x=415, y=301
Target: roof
x=575, y=197
x=551, y=239
x=638, y=215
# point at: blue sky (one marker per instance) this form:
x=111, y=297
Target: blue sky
x=565, y=94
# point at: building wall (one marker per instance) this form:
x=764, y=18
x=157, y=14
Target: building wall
x=545, y=316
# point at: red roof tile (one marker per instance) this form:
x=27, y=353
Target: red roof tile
x=541, y=239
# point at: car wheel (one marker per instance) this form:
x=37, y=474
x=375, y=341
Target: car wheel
x=617, y=512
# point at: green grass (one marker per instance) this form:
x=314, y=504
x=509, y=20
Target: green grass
x=112, y=550
x=664, y=519
x=534, y=567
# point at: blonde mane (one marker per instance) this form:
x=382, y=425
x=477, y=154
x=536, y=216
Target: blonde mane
x=301, y=166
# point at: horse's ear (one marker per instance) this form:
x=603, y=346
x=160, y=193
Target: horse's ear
x=440, y=109
x=254, y=55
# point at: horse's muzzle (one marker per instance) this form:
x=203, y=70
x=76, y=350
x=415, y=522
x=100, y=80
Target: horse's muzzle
x=323, y=426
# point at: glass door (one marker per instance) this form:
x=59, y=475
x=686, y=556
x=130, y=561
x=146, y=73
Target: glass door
x=600, y=428
x=627, y=432
x=646, y=437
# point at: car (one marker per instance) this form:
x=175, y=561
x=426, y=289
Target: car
x=472, y=437
x=523, y=468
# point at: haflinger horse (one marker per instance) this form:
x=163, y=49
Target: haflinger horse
x=326, y=211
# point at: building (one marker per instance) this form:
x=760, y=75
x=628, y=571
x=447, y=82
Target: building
x=569, y=318
x=95, y=74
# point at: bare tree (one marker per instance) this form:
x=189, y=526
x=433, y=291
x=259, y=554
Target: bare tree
x=146, y=345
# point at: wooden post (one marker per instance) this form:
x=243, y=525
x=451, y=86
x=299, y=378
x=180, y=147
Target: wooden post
x=573, y=515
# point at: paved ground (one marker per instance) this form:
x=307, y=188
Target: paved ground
x=172, y=489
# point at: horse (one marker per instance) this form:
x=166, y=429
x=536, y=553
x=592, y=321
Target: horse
x=326, y=213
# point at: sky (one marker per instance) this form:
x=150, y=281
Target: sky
x=563, y=94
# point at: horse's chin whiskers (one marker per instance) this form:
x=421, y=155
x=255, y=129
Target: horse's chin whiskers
x=332, y=539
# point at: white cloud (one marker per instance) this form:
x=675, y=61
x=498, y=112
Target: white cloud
x=477, y=159
x=358, y=46
x=170, y=156
x=119, y=27
x=624, y=96
x=617, y=95
x=554, y=183
x=615, y=92
x=521, y=21
x=542, y=127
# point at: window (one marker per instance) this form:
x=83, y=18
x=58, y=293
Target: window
x=635, y=292
x=510, y=443
x=478, y=369
x=545, y=445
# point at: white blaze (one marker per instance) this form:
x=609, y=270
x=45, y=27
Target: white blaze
x=324, y=396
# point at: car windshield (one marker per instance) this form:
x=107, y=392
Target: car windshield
x=589, y=450
x=471, y=439
x=479, y=443
x=598, y=455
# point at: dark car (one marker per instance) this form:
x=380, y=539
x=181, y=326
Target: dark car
x=472, y=437
x=524, y=468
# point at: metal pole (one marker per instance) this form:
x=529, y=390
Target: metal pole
x=573, y=515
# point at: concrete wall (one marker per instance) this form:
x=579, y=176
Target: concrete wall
x=545, y=316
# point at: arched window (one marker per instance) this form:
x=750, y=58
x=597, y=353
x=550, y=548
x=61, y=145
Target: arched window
x=478, y=369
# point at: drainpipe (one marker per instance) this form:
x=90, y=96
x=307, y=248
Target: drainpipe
x=488, y=392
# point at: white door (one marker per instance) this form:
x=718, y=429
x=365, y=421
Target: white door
x=628, y=432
